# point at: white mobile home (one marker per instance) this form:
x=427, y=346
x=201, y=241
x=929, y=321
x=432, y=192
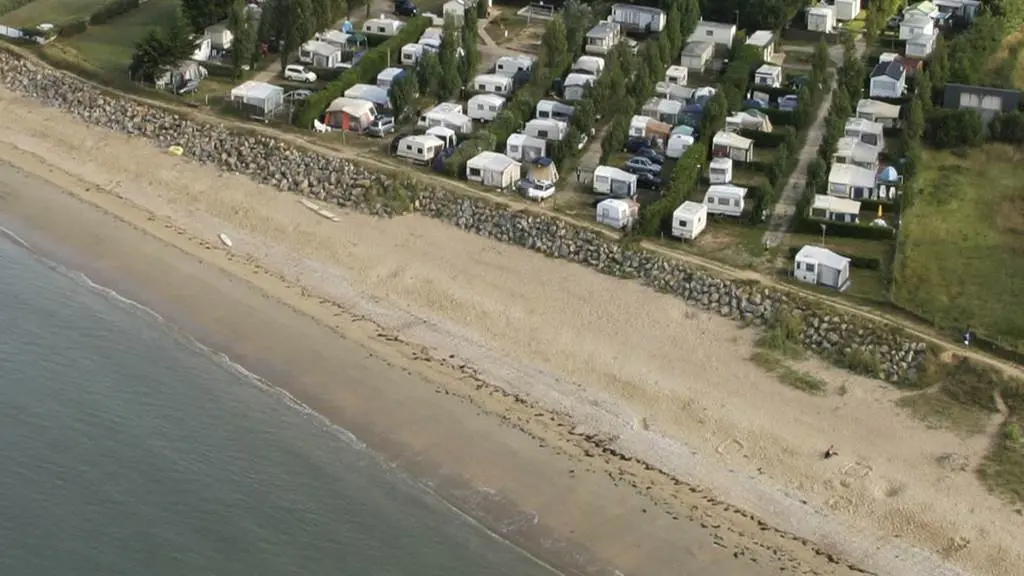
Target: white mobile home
x=720, y=170
x=921, y=46
x=868, y=132
x=725, y=199
x=547, y=129
x=827, y=207
x=768, y=75
x=592, y=65
x=524, y=148
x=553, y=110
x=512, y=65
x=850, y=150
x=220, y=36
x=376, y=94
x=575, y=86
x=888, y=80
x=822, y=19
x=618, y=213
x=382, y=26
x=663, y=110
x=714, y=32
x=411, y=54
x=877, y=111
x=732, y=145
x=674, y=91
x=421, y=148
x=764, y=41
x=914, y=25
x=847, y=10
x=849, y=181
x=387, y=76
x=821, y=266
x=602, y=37
x=689, y=220
x=485, y=107
x=611, y=180
x=320, y=54
x=647, y=127
x=493, y=170
x=493, y=84
x=641, y=19
x=677, y=145
x=678, y=75
x=695, y=55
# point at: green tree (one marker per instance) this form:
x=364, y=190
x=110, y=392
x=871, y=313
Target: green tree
x=428, y=74
x=583, y=116
x=243, y=46
x=615, y=138
x=925, y=93
x=690, y=16
x=554, y=46
x=296, y=25
x=819, y=63
x=938, y=65
x=203, y=13
x=401, y=94
x=163, y=48
x=672, y=29
x=915, y=120
x=471, y=53
x=451, y=81
x=578, y=20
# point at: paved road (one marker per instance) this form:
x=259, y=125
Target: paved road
x=785, y=208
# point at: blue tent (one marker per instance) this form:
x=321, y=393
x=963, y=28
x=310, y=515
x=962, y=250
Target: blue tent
x=888, y=174
x=347, y=27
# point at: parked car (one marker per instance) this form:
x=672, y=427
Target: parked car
x=648, y=181
x=296, y=95
x=536, y=189
x=634, y=144
x=638, y=165
x=651, y=155
x=297, y=73
x=405, y=8
x=188, y=87
x=381, y=126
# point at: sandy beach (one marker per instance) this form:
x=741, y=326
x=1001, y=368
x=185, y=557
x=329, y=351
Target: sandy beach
x=488, y=370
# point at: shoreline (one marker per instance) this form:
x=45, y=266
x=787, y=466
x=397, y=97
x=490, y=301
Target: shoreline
x=616, y=456
x=497, y=443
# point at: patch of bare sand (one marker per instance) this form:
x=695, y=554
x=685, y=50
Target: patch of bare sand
x=668, y=383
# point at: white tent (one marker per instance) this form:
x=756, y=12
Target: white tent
x=262, y=97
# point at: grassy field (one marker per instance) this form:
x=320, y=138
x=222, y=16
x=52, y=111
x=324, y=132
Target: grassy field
x=962, y=255
x=109, y=47
x=52, y=11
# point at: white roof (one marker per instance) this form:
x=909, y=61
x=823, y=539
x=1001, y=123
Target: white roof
x=726, y=190
x=432, y=33
x=689, y=208
x=587, y=61
x=924, y=38
x=426, y=140
x=732, y=140
x=446, y=108
x=553, y=105
x=697, y=48
x=383, y=19
x=761, y=38
x=917, y=20
x=441, y=132
x=862, y=125
x=822, y=256
x=494, y=161
x=676, y=70
x=768, y=70
x=721, y=163
x=353, y=106
x=413, y=48
x=491, y=99
x=888, y=56
x=321, y=48
x=851, y=175
x=858, y=150
x=577, y=79
x=333, y=36
x=492, y=79
x=520, y=139
x=834, y=204
x=253, y=90
x=389, y=73
x=546, y=122
x=519, y=60
x=603, y=30
x=639, y=120
x=878, y=108
x=368, y=92
x=614, y=173
x=821, y=10
x=666, y=106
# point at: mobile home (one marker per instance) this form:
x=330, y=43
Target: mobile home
x=647, y=127
x=725, y=199
x=850, y=150
x=602, y=37
x=689, y=220
x=619, y=213
x=553, y=109
x=375, y=94
x=382, y=26
x=575, y=86
x=849, y=181
x=449, y=115
x=663, y=110
x=877, y=111
x=421, y=148
x=768, y=75
x=678, y=75
x=611, y=180
x=493, y=170
x=695, y=55
x=732, y=145
x=638, y=19
x=714, y=32
x=720, y=170
x=493, y=84
x=591, y=65
x=320, y=54
x=547, y=129
x=822, y=266
x=524, y=148
x=827, y=207
x=485, y=107
x=764, y=41
x=512, y=65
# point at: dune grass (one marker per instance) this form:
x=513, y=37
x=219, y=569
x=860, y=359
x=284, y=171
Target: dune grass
x=961, y=258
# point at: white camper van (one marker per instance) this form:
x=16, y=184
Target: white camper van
x=485, y=107
x=421, y=148
x=689, y=220
x=611, y=180
x=493, y=84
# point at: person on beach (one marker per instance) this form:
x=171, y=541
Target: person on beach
x=830, y=452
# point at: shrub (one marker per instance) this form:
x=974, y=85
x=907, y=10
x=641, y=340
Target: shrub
x=373, y=61
x=781, y=117
x=768, y=139
x=807, y=225
x=953, y=128
x=1008, y=127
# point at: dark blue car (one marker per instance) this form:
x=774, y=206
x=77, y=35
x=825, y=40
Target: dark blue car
x=651, y=155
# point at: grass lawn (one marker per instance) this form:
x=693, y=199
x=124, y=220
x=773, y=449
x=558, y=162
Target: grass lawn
x=962, y=253
x=51, y=11
x=109, y=47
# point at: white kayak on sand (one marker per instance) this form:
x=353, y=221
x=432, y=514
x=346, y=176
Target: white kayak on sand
x=321, y=211
x=225, y=239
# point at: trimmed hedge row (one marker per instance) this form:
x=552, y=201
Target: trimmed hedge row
x=373, y=61
x=865, y=262
x=781, y=117
x=807, y=225
x=769, y=139
x=102, y=15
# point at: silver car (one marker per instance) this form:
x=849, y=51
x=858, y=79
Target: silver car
x=381, y=126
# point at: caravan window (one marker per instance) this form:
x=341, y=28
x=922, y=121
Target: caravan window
x=723, y=201
x=492, y=108
x=602, y=179
x=513, y=149
x=381, y=29
x=419, y=150
x=736, y=202
x=481, y=87
x=543, y=114
x=809, y=266
x=682, y=223
x=474, y=171
x=542, y=133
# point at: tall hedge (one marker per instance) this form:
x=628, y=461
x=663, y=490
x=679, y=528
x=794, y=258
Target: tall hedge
x=365, y=72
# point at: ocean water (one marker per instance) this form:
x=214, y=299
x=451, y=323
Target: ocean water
x=125, y=449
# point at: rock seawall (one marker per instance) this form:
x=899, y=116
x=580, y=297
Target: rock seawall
x=880, y=351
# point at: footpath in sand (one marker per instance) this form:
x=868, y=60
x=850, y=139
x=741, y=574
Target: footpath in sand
x=660, y=381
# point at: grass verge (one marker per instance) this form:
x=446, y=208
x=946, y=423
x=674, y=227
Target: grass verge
x=788, y=375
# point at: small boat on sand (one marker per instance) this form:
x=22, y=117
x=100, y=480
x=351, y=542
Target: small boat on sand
x=321, y=211
x=225, y=239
